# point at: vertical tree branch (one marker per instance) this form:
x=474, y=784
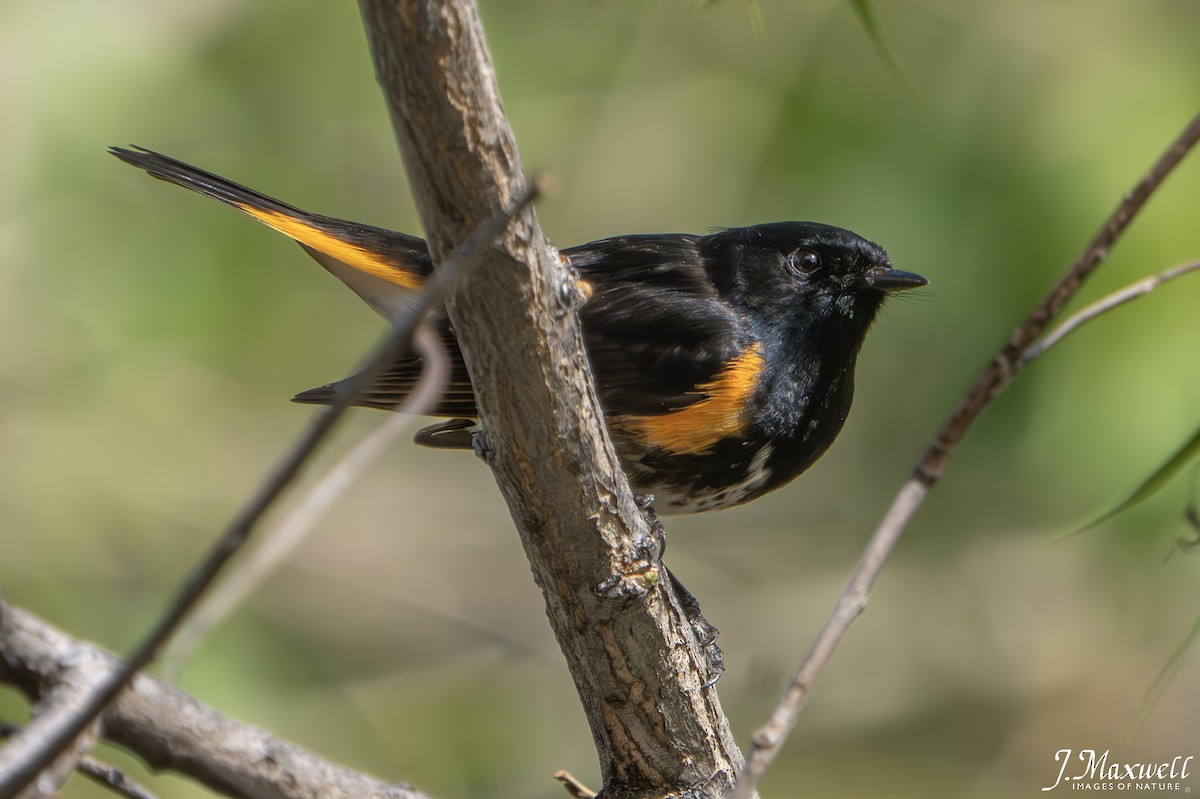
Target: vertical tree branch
x=632, y=654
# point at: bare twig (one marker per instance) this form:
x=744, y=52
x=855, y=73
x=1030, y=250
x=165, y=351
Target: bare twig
x=575, y=788
x=170, y=730
x=283, y=538
x=20, y=765
x=1102, y=306
x=112, y=777
x=768, y=740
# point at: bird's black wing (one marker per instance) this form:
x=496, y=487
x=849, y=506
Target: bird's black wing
x=658, y=336
x=656, y=330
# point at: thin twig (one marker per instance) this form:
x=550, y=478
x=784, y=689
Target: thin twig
x=112, y=777
x=49, y=739
x=575, y=788
x=283, y=538
x=1102, y=306
x=769, y=739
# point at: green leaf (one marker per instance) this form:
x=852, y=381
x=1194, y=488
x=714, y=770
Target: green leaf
x=753, y=12
x=866, y=18
x=1152, y=485
x=1155, y=691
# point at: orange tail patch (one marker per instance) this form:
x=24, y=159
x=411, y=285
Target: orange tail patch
x=350, y=254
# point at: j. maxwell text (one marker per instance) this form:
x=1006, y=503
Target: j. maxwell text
x=1095, y=767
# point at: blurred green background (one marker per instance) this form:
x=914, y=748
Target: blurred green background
x=149, y=341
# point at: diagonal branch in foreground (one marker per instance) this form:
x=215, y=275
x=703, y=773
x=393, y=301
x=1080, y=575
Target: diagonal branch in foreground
x=48, y=735
x=636, y=664
x=108, y=776
x=280, y=540
x=1004, y=366
x=170, y=730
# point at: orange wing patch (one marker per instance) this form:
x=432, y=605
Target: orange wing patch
x=349, y=254
x=724, y=411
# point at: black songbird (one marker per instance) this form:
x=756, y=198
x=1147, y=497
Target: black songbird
x=724, y=363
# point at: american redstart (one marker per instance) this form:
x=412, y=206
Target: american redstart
x=724, y=363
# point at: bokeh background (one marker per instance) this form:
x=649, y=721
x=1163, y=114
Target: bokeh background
x=149, y=341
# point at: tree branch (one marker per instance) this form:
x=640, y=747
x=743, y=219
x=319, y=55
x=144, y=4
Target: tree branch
x=634, y=659
x=170, y=730
x=1004, y=366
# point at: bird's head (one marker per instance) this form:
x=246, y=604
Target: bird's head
x=817, y=274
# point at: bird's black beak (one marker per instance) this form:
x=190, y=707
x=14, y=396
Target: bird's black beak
x=889, y=280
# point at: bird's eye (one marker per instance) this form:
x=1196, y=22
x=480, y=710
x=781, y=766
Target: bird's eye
x=805, y=261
